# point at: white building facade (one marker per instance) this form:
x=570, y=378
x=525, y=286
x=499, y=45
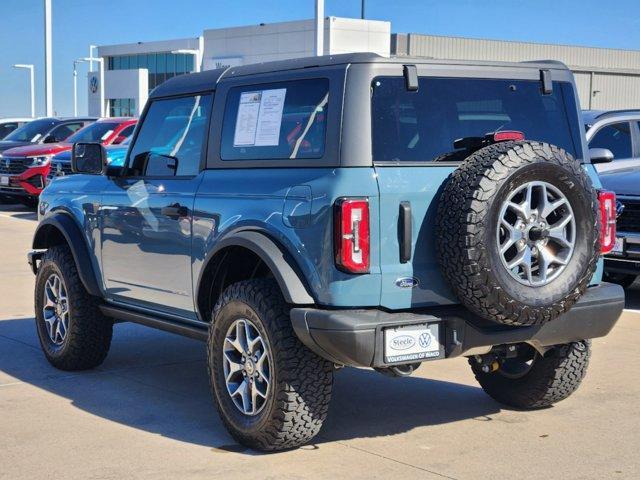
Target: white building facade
x=133, y=70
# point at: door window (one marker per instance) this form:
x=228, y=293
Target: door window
x=171, y=138
x=615, y=137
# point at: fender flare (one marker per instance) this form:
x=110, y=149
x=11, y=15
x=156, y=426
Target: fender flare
x=292, y=287
x=65, y=225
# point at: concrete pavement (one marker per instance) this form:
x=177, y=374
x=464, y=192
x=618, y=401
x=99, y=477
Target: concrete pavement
x=147, y=412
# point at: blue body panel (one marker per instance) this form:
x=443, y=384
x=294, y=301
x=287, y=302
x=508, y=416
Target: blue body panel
x=294, y=207
x=148, y=260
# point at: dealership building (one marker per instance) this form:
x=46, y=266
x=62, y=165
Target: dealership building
x=606, y=78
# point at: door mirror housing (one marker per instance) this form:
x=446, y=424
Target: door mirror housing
x=51, y=138
x=88, y=158
x=601, y=155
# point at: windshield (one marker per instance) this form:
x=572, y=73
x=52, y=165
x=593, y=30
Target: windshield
x=96, y=132
x=32, y=131
x=423, y=125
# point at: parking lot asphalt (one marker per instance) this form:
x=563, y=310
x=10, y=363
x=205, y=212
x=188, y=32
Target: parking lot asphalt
x=147, y=413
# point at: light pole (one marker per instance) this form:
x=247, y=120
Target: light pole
x=100, y=61
x=319, y=27
x=91, y=47
x=190, y=52
x=75, y=86
x=48, y=72
x=33, y=94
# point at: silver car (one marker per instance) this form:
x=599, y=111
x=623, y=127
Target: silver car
x=613, y=137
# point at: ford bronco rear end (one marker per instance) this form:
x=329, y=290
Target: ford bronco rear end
x=339, y=211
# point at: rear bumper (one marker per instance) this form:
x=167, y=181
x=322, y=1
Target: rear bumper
x=355, y=337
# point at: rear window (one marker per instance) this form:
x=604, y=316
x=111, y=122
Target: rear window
x=284, y=120
x=423, y=125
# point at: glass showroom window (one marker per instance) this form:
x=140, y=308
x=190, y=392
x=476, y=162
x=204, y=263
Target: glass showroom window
x=122, y=107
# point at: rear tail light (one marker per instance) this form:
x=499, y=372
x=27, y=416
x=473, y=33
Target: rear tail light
x=607, y=220
x=508, y=135
x=351, y=243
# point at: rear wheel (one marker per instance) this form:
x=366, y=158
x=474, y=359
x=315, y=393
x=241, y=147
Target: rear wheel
x=531, y=380
x=271, y=391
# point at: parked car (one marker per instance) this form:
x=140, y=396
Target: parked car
x=43, y=130
x=622, y=264
x=348, y=210
x=26, y=168
x=61, y=163
x=8, y=125
x=614, y=136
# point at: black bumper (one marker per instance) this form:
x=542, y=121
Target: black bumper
x=355, y=337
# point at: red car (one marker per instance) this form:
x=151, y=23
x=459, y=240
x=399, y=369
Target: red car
x=27, y=167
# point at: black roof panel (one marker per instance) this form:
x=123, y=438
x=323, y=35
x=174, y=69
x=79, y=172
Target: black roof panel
x=207, y=80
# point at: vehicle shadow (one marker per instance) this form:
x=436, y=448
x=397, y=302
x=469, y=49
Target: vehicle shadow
x=17, y=210
x=158, y=383
x=632, y=297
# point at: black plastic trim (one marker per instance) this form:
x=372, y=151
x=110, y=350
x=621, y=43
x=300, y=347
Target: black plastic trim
x=74, y=238
x=354, y=337
x=404, y=231
x=159, y=323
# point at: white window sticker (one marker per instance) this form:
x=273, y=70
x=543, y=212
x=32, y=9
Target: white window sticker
x=247, y=120
x=259, y=118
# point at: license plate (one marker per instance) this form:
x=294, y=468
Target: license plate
x=618, y=247
x=413, y=342
x=4, y=180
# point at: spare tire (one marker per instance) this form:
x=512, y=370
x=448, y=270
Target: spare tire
x=518, y=232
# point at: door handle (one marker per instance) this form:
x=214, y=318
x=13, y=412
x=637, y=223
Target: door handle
x=175, y=211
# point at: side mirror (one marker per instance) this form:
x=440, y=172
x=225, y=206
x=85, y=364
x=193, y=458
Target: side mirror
x=90, y=158
x=50, y=139
x=118, y=140
x=601, y=155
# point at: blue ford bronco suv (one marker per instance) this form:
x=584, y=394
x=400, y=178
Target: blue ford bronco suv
x=349, y=210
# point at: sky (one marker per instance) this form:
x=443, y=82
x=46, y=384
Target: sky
x=79, y=23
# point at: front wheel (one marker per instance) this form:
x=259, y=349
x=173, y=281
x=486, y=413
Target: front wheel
x=531, y=380
x=271, y=391
x=73, y=332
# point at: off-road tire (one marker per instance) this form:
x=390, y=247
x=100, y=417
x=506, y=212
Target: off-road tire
x=89, y=332
x=553, y=377
x=466, y=229
x=301, y=383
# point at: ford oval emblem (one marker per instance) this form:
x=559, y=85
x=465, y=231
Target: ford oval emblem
x=402, y=342
x=407, y=282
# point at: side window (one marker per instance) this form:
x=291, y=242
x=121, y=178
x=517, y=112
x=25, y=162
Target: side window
x=64, y=131
x=285, y=120
x=616, y=137
x=126, y=132
x=171, y=137
x=7, y=128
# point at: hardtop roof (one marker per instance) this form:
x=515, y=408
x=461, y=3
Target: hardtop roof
x=207, y=80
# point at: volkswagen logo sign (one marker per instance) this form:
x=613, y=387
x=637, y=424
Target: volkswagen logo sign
x=93, y=84
x=619, y=208
x=7, y=163
x=59, y=169
x=424, y=340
